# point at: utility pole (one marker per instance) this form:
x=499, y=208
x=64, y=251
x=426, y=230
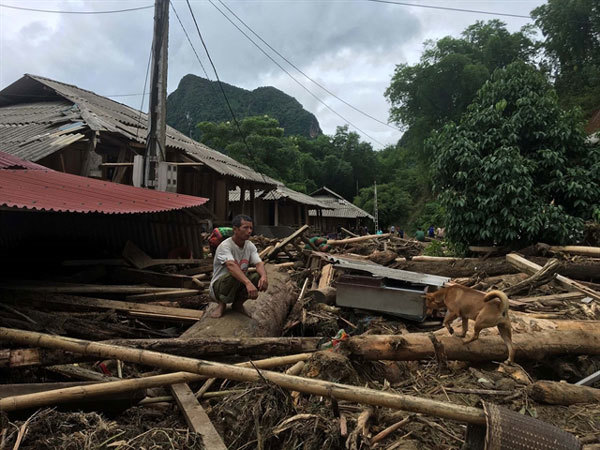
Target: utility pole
x=376, y=211
x=157, y=114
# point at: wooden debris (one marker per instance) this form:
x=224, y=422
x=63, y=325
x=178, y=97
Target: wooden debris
x=556, y=393
x=531, y=267
x=172, y=280
x=309, y=386
x=575, y=250
x=288, y=240
x=354, y=240
x=196, y=417
x=139, y=308
x=545, y=275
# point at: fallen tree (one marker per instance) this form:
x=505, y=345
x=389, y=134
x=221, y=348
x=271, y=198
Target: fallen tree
x=267, y=314
x=584, y=269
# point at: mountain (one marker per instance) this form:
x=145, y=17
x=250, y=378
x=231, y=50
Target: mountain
x=197, y=99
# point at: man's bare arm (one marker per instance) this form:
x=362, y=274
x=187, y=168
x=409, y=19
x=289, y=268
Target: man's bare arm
x=263, y=283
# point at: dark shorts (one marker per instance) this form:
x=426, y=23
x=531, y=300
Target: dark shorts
x=228, y=290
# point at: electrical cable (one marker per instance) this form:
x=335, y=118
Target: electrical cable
x=250, y=154
x=299, y=70
x=143, y=96
x=447, y=8
x=21, y=8
x=294, y=78
x=189, y=40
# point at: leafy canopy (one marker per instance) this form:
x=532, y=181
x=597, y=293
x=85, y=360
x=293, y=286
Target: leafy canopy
x=571, y=30
x=516, y=168
x=439, y=88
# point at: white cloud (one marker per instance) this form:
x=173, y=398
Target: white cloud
x=351, y=47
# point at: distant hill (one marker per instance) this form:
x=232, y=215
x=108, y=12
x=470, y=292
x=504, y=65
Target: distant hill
x=197, y=99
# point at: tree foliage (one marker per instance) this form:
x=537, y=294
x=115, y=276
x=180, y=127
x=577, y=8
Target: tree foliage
x=342, y=161
x=571, y=31
x=426, y=95
x=516, y=168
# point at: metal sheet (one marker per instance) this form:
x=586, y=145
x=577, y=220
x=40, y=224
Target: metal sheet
x=374, y=295
x=386, y=272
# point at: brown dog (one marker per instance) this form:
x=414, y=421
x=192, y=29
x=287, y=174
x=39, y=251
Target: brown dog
x=487, y=310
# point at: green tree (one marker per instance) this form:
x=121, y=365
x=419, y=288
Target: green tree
x=571, y=30
x=516, y=168
x=393, y=203
x=426, y=95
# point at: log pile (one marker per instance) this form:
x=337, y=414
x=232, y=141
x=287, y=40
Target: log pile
x=297, y=371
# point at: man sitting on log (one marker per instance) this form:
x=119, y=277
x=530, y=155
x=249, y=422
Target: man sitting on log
x=231, y=282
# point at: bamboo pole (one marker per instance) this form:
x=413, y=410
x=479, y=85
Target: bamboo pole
x=357, y=239
x=65, y=395
x=218, y=370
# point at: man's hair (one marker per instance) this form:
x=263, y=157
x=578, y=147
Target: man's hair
x=237, y=220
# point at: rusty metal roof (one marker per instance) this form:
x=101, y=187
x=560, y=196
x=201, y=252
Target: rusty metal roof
x=96, y=113
x=34, y=187
x=337, y=206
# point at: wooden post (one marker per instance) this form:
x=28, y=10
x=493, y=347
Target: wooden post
x=276, y=212
x=253, y=206
x=157, y=115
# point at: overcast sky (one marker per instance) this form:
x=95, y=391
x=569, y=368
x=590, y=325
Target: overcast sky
x=349, y=46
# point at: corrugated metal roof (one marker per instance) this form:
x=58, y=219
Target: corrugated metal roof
x=38, y=188
x=385, y=272
x=337, y=205
x=285, y=192
x=102, y=114
x=33, y=131
x=236, y=194
x=12, y=162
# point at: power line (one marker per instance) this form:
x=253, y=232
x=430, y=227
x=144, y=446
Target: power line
x=219, y=81
x=143, y=96
x=21, y=8
x=299, y=70
x=190, y=41
x=447, y=8
x=292, y=76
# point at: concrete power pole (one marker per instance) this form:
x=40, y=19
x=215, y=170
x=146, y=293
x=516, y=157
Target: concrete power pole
x=157, y=115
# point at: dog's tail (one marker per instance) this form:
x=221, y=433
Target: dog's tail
x=499, y=295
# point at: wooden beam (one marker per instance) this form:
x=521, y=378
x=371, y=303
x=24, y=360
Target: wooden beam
x=66, y=288
x=139, y=308
x=358, y=239
x=196, y=417
x=576, y=250
x=280, y=246
x=129, y=274
x=531, y=268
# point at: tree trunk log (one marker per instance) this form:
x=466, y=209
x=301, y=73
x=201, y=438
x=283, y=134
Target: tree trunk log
x=268, y=312
x=535, y=346
x=324, y=295
x=354, y=240
x=587, y=270
x=208, y=368
x=556, y=393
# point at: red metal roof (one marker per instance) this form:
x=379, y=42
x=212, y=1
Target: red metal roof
x=10, y=162
x=48, y=190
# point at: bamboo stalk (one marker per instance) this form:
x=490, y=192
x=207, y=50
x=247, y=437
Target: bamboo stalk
x=65, y=395
x=357, y=239
x=218, y=370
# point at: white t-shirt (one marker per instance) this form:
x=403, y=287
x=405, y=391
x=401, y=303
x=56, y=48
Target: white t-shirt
x=228, y=250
